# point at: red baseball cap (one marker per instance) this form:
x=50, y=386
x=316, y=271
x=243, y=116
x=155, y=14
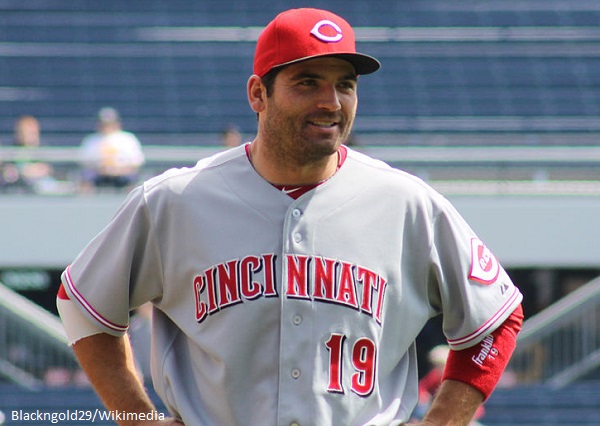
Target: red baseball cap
x=300, y=34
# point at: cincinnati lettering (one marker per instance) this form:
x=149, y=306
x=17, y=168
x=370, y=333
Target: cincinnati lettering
x=310, y=278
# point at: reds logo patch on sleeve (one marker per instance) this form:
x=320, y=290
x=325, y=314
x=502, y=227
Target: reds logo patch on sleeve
x=484, y=266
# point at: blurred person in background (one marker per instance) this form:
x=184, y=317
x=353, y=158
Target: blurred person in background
x=231, y=136
x=111, y=157
x=27, y=135
x=24, y=172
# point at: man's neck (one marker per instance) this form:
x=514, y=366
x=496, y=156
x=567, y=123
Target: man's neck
x=277, y=173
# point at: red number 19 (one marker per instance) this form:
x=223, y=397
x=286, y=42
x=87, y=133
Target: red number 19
x=363, y=360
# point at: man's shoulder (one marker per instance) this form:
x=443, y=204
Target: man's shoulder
x=384, y=178
x=205, y=168
x=365, y=163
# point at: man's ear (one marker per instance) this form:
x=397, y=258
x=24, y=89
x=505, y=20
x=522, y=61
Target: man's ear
x=257, y=93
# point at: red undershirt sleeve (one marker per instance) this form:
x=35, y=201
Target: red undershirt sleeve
x=482, y=365
x=62, y=293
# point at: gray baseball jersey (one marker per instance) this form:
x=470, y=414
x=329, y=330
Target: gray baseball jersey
x=275, y=311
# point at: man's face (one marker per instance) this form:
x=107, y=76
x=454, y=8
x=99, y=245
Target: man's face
x=311, y=109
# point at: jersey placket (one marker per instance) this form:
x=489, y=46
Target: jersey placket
x=296, y=340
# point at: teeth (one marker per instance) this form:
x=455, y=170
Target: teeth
x=324, y=123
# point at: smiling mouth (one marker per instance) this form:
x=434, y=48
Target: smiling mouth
x=324, y=123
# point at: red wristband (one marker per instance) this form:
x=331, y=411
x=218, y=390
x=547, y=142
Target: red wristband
x=482, y=365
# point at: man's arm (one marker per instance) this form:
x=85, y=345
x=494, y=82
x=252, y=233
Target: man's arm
x=467, y=384
x=109, y=364
x=454, y=404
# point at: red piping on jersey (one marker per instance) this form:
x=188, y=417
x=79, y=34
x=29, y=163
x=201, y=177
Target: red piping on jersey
x=89, y=308
x=296, y=191
x=489, y=323
x=343, y=154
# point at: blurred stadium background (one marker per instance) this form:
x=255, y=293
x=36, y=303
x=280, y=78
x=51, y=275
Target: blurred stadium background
x=494, y=103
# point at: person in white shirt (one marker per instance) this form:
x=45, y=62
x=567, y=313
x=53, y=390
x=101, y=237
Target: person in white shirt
x=111, y=157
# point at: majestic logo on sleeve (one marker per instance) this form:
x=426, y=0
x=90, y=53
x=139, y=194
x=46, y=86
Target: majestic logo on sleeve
x=484, y=266
x=309, y=278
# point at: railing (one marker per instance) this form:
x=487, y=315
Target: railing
x=33, y=345
x=485, y=155
x=475, y=169
x=561, y=344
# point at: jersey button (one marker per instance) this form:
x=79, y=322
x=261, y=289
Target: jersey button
x=297, y=319
x=296, y=212
x=294, y=424
x=296, y=373
x=297, y=237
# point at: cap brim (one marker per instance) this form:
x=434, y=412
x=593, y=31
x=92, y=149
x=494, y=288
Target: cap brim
x=363, y=64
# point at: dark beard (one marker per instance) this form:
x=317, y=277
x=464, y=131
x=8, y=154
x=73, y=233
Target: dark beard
x=294, y=148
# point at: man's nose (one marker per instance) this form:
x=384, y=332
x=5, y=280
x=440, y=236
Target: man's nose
x=329, y=98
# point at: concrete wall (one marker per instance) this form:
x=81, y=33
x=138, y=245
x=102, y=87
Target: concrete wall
x=522, y=231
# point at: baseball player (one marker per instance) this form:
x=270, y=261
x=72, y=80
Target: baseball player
x=290, y=276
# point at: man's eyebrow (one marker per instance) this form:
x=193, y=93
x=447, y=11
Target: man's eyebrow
x=300, y=75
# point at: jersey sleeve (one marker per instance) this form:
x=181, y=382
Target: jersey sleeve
x=119, y=269
x=467, y=283
x=77, y=325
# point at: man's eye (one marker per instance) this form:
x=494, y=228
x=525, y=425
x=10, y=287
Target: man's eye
x=349, y=85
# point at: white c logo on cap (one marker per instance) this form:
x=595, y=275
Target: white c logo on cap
x=316, y=31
